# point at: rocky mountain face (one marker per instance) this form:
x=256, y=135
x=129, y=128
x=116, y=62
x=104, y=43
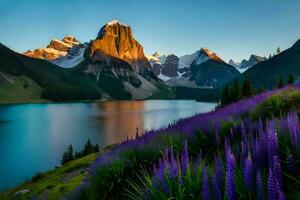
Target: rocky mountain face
x=114, y=64
x=116, y=40
x=245, y=64
x=118, y=62
x=55, y=50
x=170, y=66
x=201, y=69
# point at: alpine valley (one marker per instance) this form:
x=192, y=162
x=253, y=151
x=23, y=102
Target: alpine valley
x=114, y=66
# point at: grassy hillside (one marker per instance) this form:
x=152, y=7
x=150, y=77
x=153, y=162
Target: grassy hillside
x=53, y=184
x=19, y=89
x=241, y=151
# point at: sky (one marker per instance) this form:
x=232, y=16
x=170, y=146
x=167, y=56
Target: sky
x=234, y=29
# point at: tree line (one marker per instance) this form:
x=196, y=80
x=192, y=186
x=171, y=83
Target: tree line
x=69, y=154
x=236, y=91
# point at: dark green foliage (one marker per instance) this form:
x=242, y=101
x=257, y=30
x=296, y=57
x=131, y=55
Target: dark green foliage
x=90, y=148
x=68, y=155
x=235, y=92
x=225, y=129
x=225, y=99
x=247, y=90
x=277, y=105
x=280, y=83
x=278, y=50
x=291, y=79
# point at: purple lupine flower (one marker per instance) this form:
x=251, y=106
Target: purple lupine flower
x=230, y=185
x=205, y=186
x=219, y=170
x=277, y=170
x=272, y=141
x=248, y=173
x=185, y=159
x=216, y=187
x=244, y=155
x=259, y=186
x=290, y=163
x=281, y=195
x=271, y=186
x=293, y=127
x=174, y=165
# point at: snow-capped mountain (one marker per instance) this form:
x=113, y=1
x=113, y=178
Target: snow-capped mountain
x=199, y=69
x=75, y=55
x=66, y=53
x=245, y=64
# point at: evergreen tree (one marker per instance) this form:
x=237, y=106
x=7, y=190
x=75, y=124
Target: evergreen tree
x=280, y=83
x=270, y=56
x=225, y=99
x=278, y=50
x=235, y=92
x=247, y=90
x=68, y=155
x=291, y=79
x=88, y=148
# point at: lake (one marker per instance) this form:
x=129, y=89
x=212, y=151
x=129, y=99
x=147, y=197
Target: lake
x=33, y=137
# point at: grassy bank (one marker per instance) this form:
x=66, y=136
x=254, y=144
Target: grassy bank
x=53, y=184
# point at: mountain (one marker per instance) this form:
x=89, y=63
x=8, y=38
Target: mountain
x=265, y=74
x=66, y=53
x=117, y=58
x=56, y=49
x=27, y=79
x=245, y=64
x=116, y=40
x=207, y=70
x=111, y=66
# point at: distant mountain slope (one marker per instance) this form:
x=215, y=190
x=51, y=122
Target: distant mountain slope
x=207, y=70
x=265, y=74
x=56, y=83
x=245, y=64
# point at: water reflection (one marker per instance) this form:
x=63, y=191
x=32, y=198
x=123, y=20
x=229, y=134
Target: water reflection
x=34, y=136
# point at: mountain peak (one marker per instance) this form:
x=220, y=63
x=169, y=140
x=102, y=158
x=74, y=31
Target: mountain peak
x=116, y=40
x=115, y=22
x=210, y=55
x=55, y=49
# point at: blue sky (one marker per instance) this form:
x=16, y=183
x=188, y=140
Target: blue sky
x=232, y=28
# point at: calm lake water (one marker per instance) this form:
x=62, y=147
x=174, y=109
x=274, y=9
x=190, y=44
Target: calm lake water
x=33, y=137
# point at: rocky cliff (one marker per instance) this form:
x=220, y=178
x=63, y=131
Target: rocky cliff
x=55, y=50
x=116, y=40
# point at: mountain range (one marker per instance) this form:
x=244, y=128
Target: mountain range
x=114, y=66
x=245, y=64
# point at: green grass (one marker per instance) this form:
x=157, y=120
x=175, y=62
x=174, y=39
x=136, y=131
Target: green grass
x=53, y=184
x=20, y=89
